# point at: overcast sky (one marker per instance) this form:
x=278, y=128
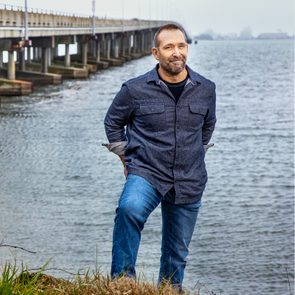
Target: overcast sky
x=222, y=16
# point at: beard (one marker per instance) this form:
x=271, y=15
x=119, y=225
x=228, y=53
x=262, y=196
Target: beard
x=173, y=66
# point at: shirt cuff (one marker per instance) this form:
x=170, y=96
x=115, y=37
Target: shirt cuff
x=117, y=148
x=207, y=146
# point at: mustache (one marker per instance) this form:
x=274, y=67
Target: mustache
x=176, y=59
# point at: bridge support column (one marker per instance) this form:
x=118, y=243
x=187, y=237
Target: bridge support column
x=67, y=55
x=44, y=60
x=103, y=47
x=145, y=42
x=11, y=66
x=55, y=50
x=49, y=59
x=150, y=39
x=97, y=53
x=142, y=42
x=1, y=59
x=138, y=43
x=35, y=53
x=21, y=59
x=108, y=48
x=129, y=47
x=92, y=47
x=115, y=47
x=84, y=53
x=133, y=42
x=135, y=47
x=29, y=55
x=79, y=51
x=123, y=45
x=40, y=52
x=54, y=53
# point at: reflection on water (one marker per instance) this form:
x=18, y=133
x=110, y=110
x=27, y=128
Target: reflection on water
x=59, y=187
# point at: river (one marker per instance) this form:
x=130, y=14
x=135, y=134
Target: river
x=59, y=187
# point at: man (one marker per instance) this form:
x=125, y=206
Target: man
x=170, y=116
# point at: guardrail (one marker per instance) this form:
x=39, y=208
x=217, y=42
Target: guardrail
x=13, y=17
x=10, y=7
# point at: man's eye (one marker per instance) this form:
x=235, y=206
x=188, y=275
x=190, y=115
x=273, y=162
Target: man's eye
x=168, y=47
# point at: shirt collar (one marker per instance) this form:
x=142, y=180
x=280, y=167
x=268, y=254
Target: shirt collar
x=153, y=75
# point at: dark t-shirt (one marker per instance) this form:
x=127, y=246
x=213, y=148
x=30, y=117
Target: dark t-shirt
x=176, y=88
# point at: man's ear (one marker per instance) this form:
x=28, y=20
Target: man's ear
x=154, y=51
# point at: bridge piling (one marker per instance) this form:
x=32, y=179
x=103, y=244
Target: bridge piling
x=49, y=59
x=44, y=60
x=21, y=59
x=29, y=55
x=97, y=55
x=108, y=47
x=84, y=53
x=1, y=59
x=11, y=66
x=67, y=55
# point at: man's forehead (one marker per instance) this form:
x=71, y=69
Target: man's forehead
x=171, y=36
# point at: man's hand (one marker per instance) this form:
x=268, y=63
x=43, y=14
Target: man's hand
x=125, y=171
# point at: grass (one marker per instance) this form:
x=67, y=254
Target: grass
x=23, y=282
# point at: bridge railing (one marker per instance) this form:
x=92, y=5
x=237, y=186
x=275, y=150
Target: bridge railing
x=5, y=6
x=13, y=16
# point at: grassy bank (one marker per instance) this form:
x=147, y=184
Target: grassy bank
x=24, y=282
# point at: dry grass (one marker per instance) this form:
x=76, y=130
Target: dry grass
x=27, y=283
x=100, y=285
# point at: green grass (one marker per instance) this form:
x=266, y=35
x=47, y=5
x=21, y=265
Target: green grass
x=24, y=282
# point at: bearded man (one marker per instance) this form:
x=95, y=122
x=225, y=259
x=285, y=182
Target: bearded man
x=169, y=115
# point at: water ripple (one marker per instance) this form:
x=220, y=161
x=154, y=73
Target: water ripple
x=59, y=187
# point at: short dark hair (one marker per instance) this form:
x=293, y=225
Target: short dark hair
x=168, y=27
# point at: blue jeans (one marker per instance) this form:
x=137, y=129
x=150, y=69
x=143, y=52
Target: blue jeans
x=138, y=199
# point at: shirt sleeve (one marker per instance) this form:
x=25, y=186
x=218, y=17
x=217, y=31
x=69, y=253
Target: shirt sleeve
x=117, y=148
x=118, y=116
x=210, y=120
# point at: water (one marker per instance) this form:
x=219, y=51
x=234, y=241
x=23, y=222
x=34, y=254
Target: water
x=59, y=186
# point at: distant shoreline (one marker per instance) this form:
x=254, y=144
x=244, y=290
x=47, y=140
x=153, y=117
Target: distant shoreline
x=195, y=41
x=248, y=37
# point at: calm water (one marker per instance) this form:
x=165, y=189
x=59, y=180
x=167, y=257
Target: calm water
x=59, y=187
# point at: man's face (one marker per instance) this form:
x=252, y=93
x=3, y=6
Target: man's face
x=172, y=51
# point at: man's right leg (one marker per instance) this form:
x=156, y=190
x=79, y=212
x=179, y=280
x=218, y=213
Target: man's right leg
x=138, y=199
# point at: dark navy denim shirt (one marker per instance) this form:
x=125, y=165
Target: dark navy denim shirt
x=165, y=139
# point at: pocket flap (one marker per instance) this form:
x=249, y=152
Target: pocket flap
x=197, y=109
x=152, y=109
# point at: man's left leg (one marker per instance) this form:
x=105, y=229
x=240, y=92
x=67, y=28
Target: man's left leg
x=178, y=223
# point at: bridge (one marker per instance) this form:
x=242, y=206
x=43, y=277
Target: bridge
x=31, y=39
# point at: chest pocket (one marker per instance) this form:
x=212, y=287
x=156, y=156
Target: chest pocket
x=196, y=115
x=152, y=117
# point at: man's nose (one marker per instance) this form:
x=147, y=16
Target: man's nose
x=176, y=51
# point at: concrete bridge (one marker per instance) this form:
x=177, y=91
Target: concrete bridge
x=31, y=41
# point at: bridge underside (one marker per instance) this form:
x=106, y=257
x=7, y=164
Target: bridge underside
x=39, y=59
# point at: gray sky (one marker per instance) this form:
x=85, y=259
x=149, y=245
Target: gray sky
x=223, y=16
